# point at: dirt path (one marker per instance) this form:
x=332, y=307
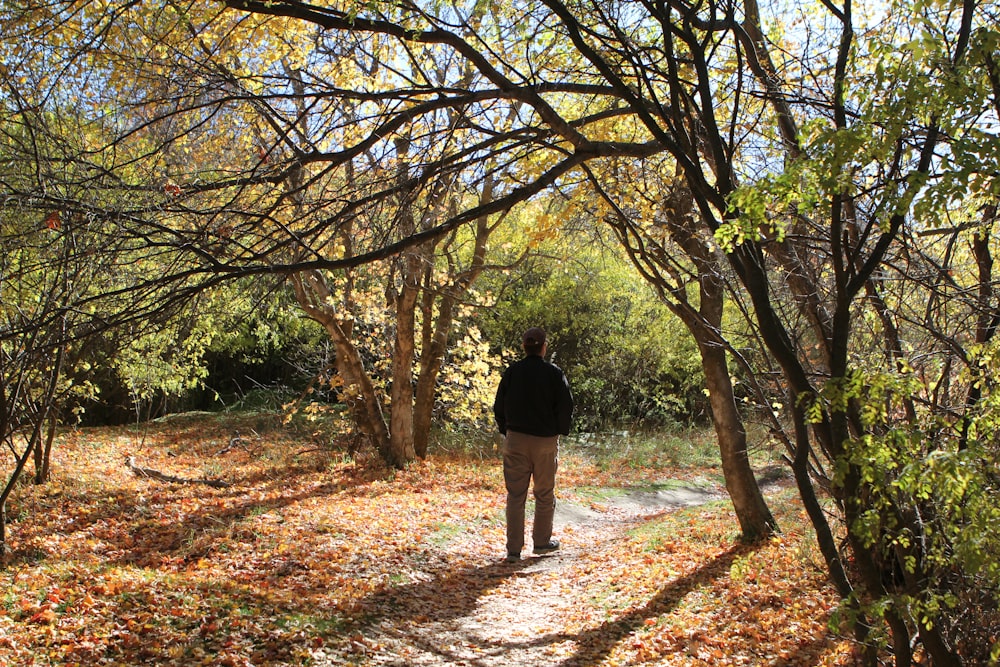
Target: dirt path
x=494, y=614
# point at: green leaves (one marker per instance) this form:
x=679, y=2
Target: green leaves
x=928, y=503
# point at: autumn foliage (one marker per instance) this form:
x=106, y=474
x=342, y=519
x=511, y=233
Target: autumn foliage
x=307, y=557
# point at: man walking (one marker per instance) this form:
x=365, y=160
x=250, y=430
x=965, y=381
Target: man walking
x=533, y=407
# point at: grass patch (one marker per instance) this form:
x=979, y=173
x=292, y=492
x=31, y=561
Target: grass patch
x=481, y=443
x=682, y=447
x=445, y=532
x=610, y=493
x=712, y=520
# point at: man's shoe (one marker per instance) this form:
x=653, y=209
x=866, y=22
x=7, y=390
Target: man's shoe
x=553, y=545
x=513, y=558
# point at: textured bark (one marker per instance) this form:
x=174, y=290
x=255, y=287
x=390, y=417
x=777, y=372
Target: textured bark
x=752, y=512
x=401, y=392
x=359, y=393
x=435, y=343
x=437, y=326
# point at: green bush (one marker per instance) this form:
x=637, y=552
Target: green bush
x=629, y=360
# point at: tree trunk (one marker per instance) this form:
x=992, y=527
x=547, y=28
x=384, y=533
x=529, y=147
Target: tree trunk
x=38, y=452
x=435, y=336
x=34, y=438
x=752, y=512
x=655, y=263
x=43, y=450
x=48, y=415
x=754, y=516
x=401, y=433
x=15, y=475
x=359, y=393
x=435, y=342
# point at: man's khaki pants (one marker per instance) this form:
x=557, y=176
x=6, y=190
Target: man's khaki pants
x=526, y=456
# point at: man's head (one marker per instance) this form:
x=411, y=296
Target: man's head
x=534, y=341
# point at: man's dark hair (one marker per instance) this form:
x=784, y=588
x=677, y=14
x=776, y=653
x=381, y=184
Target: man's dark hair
x=533, y=340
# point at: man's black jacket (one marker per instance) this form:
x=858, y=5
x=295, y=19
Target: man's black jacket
x=534, y=398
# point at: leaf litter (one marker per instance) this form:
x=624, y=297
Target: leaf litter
x=309, y=558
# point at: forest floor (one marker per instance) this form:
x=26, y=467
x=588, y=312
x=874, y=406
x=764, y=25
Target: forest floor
x=307, y=557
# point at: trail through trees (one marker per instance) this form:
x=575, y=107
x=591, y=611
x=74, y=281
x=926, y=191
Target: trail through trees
x=495, y=614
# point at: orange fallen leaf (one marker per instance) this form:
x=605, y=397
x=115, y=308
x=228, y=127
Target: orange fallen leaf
x=43, y=617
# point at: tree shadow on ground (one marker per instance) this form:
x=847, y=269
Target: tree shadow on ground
x=596, y=644
x=419, y=613
x=141, y=528
x=435, y=620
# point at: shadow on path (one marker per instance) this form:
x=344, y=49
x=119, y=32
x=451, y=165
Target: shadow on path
x=596, y=644
x=435, y=621
x=433, y=617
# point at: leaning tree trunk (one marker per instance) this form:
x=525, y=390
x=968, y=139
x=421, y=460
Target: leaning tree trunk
x=754, y=516
x=705, y=325
x=359, y=393
x=654, y=262
x=317, y=301
x=752, y=513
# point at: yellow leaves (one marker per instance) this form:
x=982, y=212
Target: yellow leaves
x=545, y=227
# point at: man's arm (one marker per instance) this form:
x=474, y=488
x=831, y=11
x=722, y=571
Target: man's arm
x=499, y=405
x=564, y=405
